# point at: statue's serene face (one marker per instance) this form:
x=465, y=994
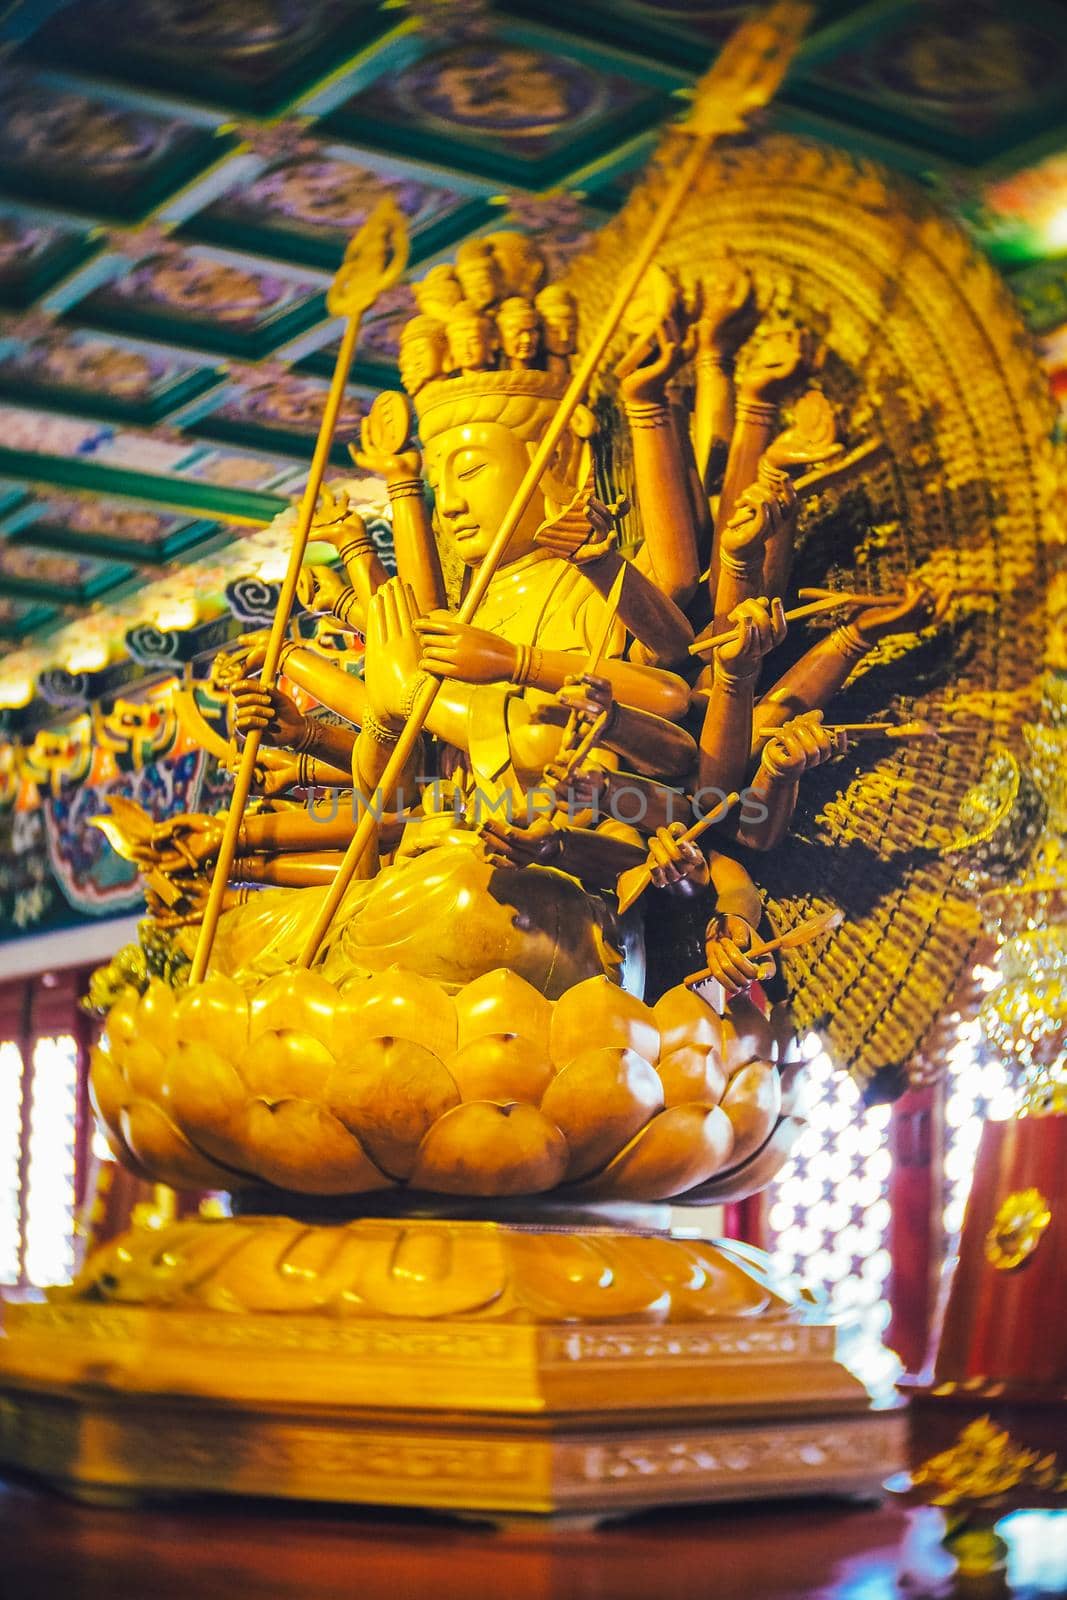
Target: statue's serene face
x=520, y=335
x=479, y=279
x=468, y=344
x=561, y=328
x=474, y=471
x=420, y=360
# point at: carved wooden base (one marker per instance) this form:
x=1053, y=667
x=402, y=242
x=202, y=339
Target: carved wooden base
x=528, y=1411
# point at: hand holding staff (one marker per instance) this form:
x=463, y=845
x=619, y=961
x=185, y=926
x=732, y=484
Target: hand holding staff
x=745, y=76
x=373, y=261
x=632, y=883
x=803, y=933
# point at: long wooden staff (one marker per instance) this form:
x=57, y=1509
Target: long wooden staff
x=745, y=76
x=374, y=260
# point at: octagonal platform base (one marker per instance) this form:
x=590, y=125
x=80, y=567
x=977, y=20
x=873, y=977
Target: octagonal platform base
x=460, y=1366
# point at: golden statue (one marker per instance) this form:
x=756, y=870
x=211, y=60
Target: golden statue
x=497, y=940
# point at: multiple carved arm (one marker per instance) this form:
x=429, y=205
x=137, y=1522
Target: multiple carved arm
x=629, y=712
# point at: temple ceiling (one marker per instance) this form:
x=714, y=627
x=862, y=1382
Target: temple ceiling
x=178, y=181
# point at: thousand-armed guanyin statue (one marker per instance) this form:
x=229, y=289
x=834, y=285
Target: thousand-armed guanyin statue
x=663, y=732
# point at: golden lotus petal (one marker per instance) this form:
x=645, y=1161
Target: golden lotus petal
x=746, y=1033
x=599, y=1012
x=753, y=1103
x=401, y=1005
x=702, y=1279
x=599, y=1101
x=108, y=1089
x=685, y=1018
x=279, y=1267
x=157, y=1016
x=501, y=1002
x=570, y=1278
x=207, y=1101
x=423, y=1274
x=738, y=1182
x=481, y=1148
x=166, y=1153
x=285, y=1064
x=680, y=1148
x=214, y=1013
x=390, y=1092
x=122, y=1024
x=303, y=1001
x=796, y=1085
x=692, y=1074
x=502, y=1066
x=296, y=1144
x=146, y=1071
x=785, y=1046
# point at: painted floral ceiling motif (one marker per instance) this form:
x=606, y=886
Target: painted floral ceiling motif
x=178, y=181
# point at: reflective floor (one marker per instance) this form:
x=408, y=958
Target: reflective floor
x=51, y=1549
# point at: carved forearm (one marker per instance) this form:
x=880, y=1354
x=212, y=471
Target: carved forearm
x=666, y=511
x=417, y=559
x=330, y=685
x=328, y=825
x=735, y=893
x=650, y=744
x=327, y=742
x=726, y=736
x=811, y=683
x=752, y=435
x=699, y=505
x=641, y=803
x=294, y=871
x=648, y=614
x=713, y=416
x=363, y=567
x=781, y=537
x=598, y=856
x=738, y=581
x=777, y=798
x=651, y=689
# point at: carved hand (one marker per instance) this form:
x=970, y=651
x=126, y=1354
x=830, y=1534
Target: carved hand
x=745, y=535
x=922, y=607
x=400, y=467
x=275, y=774
x=580, y=790
x=777, y=359
x=505, y=844
x=761, y=628
x=391, y=672
x=320, y=587
x=278, y=718
x=453, y=649
x=726, y=309
x=649, y=364
x=587, y=695
x=726, y=940
x=676, y=862
x=800, y=745
x=188, y=840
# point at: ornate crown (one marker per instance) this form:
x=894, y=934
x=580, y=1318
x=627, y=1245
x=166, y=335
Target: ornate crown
x=492, y=341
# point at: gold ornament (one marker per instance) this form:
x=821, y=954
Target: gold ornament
x=1017, y=1229
x=984, y=1464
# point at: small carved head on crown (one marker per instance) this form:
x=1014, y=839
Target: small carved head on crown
x=489, y=332
x=486, y=362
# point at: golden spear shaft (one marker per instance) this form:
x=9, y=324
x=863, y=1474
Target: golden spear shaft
x=746, y=75
x=374, y=259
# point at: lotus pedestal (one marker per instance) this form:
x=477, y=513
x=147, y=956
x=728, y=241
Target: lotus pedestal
x=481, y=1366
